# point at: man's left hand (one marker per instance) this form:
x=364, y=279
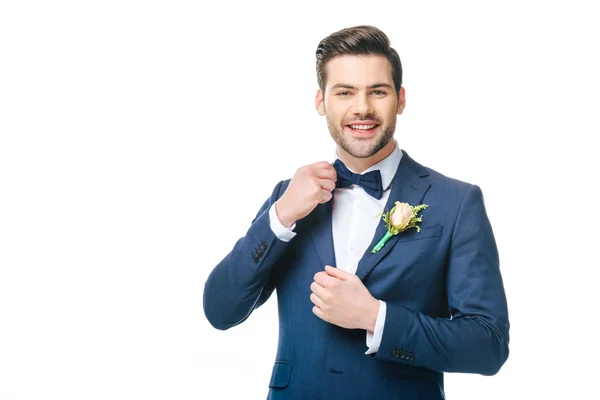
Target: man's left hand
x=342, y=299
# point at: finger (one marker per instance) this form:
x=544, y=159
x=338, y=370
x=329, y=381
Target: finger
x=325, y=280
x=318, y=290
x=316, y=300
x=325, y=196
x=327, y=172
x=336, y=272
x=322, y=164
x=318, y=312
x=327, y=184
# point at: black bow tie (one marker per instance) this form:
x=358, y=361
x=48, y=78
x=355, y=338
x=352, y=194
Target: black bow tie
x=371, y=181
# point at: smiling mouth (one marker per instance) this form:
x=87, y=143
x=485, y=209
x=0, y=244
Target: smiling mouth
x=362, y=129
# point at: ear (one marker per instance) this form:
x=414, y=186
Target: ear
x=401, y=101
x=319, y=103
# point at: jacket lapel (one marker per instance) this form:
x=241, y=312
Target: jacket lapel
x=322, y=233
x=408, y=186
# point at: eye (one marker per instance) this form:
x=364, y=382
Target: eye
x=379, y=93
x=346, y=93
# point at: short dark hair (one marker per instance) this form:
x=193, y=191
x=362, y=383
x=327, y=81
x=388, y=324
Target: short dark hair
x=358, y=40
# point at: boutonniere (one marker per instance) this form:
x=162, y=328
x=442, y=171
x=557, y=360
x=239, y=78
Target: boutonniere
x=400, y=218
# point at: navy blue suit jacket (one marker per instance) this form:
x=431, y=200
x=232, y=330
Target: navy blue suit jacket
x=446, y=307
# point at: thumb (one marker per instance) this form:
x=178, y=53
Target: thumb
x=336, y=272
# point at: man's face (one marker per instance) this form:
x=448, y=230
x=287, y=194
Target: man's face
x=360, y=103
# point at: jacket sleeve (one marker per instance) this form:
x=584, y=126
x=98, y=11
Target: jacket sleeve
x=243, y=280
x=475, y=338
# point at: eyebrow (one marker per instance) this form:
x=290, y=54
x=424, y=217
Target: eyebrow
x=375, y=86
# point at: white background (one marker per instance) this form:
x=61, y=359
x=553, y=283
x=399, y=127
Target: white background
x=138, y=140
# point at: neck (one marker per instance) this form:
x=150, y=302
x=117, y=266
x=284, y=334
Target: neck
x=358, y=165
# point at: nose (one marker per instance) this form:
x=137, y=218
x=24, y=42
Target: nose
x=363, y=105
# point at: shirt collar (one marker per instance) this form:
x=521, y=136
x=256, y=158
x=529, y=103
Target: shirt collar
x=387, y=167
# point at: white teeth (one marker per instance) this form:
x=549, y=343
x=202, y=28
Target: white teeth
x=362, y=127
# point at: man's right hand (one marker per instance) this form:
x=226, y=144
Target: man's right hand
x=310, y=186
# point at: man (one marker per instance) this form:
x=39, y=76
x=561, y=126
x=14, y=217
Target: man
x=357, y=323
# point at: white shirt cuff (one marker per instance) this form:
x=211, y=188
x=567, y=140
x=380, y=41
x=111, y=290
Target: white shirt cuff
x=374, y=339
x=282, y=233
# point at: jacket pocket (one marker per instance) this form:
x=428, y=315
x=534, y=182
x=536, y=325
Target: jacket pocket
x=280, y=378
x=426, y=232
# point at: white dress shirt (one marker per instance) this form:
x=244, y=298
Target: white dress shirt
x=354, y=222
